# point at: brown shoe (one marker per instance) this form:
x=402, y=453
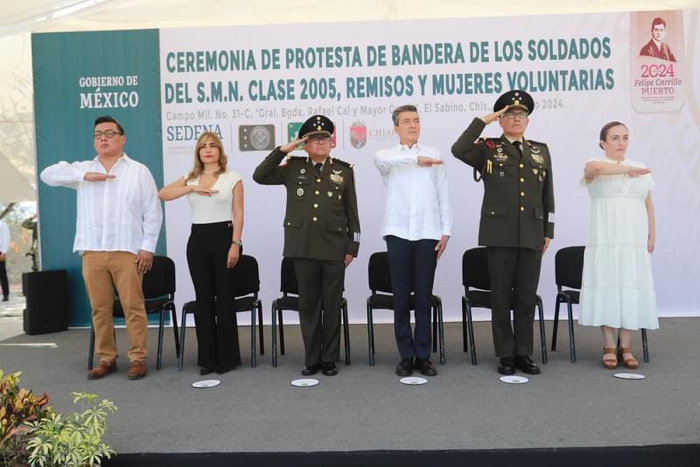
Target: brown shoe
x=137, y=370
x=102, y=369
x=609, y=358
x=629, y=362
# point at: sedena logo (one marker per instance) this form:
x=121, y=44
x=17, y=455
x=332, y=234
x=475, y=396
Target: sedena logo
x=107, y=92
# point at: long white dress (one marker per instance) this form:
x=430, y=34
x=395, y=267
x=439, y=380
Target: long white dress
x=618, y=288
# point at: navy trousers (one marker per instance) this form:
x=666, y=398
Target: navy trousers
x=412, y=265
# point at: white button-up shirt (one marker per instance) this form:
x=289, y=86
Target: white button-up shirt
x=417, y=198
x=4, y=237
x=118, y=214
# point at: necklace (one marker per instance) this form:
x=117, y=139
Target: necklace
x=210, y=171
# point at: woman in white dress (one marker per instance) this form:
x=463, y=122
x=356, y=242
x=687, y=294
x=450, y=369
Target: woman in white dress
x=617, y=289
x=213, y=249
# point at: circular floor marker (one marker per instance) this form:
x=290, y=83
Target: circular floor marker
x=206, y=383
x=629, y=376
x=413, y=380
x=514, y=379
x=304, y=382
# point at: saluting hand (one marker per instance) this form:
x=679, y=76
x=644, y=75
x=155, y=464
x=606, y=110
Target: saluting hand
x=425, y=161
x=492, y=117
x=638, y=171
x=203, y=191
x=291, y=146
x=97, y=177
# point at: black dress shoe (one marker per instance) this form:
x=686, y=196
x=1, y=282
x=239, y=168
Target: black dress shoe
x=224, y=369
x=424, y=367
x=526, y=365
x=311, y=369
x=506, y=366
x=205, y=371
x=405, y=367
x=329, y=368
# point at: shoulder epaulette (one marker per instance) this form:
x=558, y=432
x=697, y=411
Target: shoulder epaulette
x=342, y=162
x=538, y=143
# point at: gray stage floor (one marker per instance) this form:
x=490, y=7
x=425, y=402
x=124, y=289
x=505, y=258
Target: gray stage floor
x=366, y=408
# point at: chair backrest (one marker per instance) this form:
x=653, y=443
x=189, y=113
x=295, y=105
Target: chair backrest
x=160, y=280
x=568, y=267
x=475, y=269
x=246, y=276
x=378, y=272
x=288, y=280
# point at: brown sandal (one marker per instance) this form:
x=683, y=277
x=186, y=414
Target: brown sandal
x=629, y=362
x=609, y=358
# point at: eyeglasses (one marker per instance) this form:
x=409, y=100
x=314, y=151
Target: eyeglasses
x=514, y=115
x=106, y=133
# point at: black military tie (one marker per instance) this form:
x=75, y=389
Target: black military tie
x=517, y=146
x=319, y=166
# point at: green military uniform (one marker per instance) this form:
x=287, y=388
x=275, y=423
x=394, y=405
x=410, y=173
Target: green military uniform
x=321, y=226
x=516, y=214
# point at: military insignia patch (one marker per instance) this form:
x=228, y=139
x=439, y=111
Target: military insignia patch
x=500, y=157
x=302, y=171
x=335, y=178
x=300, y=192
x=534, y=171
x=537, y=158
x=534, y=149
x=330, y=194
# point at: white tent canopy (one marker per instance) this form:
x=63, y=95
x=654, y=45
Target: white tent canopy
x=18, y=19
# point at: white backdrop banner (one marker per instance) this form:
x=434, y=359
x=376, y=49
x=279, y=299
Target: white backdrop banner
x=255, y=85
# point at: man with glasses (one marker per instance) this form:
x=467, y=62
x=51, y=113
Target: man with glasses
x=117, y=227
x=321, y=234
x=517, y=221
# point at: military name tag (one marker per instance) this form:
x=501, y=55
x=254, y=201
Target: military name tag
x=300, y=192
x=537, y=158
x=335, y=178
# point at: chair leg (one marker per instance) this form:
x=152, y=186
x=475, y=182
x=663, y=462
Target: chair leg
x=470, y=326
x=253, y=353
x=645, y=346
x=464, y=323
x=161, y=327
x=176, y=332
x=441, y=333
x=370, y=334
x=555, y=326
x=543, y=337
x=260, y=328
x=273, y=332
x=280, y=315
x=91, y=350
x=346, y=330
x=435, y=328
x=183, y=330
x=572, y=343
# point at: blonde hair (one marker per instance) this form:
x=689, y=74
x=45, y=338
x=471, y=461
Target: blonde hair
x=198, y=167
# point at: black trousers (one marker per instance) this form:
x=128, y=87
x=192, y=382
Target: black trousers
x=515, y=273
x=215, y=319
x=3, y=280
x=320, y=298
x=412, y=265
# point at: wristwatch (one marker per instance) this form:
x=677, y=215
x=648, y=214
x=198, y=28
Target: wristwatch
x=237, y=242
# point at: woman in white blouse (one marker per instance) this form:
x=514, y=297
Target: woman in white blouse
x=213, y=249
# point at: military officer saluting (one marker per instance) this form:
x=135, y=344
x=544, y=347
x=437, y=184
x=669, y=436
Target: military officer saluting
x=321, y=234
x=517, y=221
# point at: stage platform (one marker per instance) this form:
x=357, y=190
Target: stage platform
x=571, y=414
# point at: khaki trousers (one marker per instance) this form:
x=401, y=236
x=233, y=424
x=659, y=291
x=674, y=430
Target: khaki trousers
x=103, y=271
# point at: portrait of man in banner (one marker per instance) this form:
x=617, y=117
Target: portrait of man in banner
x=657, y=47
